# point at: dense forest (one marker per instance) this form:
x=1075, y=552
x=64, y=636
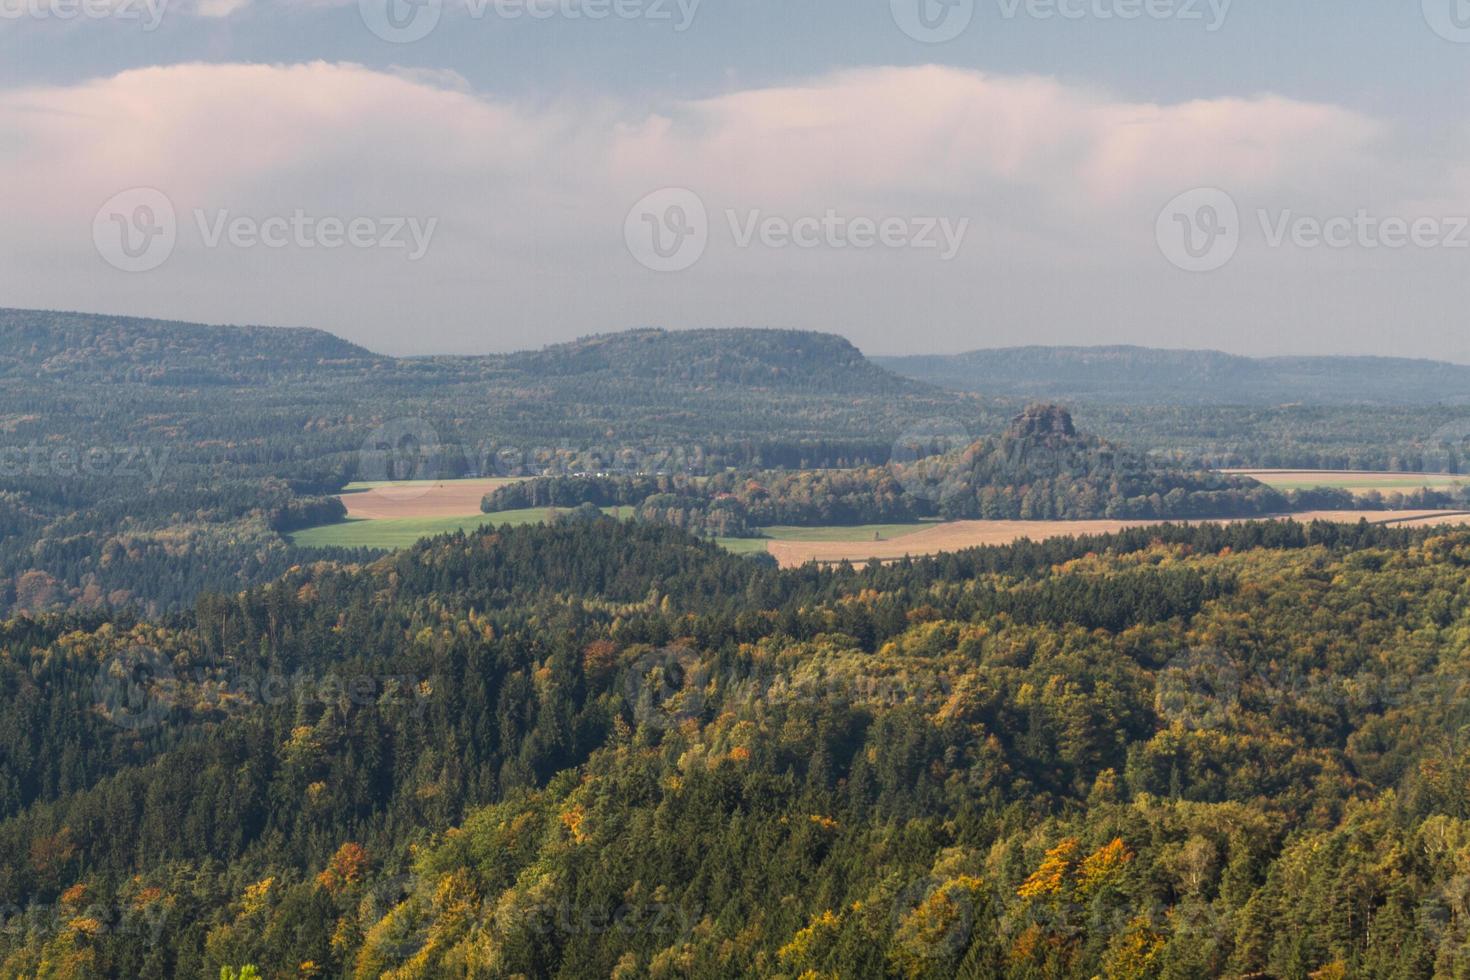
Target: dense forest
x=604, y=749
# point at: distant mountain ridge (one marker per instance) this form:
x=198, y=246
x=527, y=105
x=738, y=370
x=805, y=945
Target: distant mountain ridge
x=1143, y=376
x=751, y=387
x=91, y=347
x=753, y=358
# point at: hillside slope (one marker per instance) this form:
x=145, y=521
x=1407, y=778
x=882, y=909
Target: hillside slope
x=764, y=359
x=83, y=347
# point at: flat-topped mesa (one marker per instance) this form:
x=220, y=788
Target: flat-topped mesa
x=1042, y=422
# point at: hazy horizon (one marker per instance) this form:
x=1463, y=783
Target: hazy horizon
x=866, y=351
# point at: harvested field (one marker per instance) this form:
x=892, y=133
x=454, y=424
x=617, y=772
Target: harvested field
x=954, y=536
x=1353, y=481
x=395, y=501
x=959, y=535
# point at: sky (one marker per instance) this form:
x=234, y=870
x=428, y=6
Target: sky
x=470, y=176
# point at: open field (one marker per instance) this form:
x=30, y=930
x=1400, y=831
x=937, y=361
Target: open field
x=959, y=535
x=1351, y=480
x=400, y=532
x=422, y=499
x=743, y=546
x=397, y=515
x=861, y=532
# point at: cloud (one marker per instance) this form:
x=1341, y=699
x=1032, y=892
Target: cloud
x=531, y=193
x=221, y=130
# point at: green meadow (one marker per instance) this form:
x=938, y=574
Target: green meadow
x=400, y=532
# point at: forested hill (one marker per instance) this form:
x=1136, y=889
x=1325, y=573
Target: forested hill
x=764, y=359
x=71, y=347
x=81, y=347
x=1147, y=376
x=1040, y=468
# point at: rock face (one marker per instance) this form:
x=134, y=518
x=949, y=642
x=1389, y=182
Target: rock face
x=1043, y=422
